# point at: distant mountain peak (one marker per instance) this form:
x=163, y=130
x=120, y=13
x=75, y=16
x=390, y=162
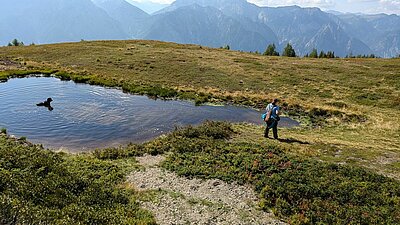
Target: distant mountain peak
x=148, y=6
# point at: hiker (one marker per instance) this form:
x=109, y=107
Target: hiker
x=272, y=118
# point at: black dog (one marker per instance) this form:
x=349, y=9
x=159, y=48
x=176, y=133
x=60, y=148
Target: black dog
x=46, y=104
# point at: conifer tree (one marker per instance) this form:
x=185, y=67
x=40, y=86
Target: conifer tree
x=289, y=51
x=314, y=53
x=15, y=42
x=330, y=55
x=271, y=50
x=322, y=54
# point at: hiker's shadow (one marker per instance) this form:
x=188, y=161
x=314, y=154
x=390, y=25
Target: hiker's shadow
x=292, y=140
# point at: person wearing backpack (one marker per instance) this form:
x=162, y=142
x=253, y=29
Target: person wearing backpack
x=272, y=118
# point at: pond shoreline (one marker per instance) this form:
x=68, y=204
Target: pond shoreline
x=313, y=117
x=86, y=117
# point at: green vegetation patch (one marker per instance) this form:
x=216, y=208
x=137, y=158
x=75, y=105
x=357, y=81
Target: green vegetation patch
x=39, y=186
x=300, y=190
x=317, y=117
x=5, y=75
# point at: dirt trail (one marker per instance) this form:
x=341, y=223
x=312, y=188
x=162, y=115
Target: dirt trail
x=180, y=200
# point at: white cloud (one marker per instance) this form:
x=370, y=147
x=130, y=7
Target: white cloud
x=303, y=3
x=390, y=6
x=361, y=1
x=156, y=1
x=391, y=3
x=364, y=6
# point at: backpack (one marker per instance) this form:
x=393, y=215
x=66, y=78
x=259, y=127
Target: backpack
x=266, y=116
x=275, y=116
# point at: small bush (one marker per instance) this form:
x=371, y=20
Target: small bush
x=63, y=75
x=215, y=130
x=119, y=153
x=22, y=139
x=199, y=100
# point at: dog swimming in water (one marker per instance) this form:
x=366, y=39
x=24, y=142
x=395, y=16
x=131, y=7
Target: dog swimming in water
x=46, y=104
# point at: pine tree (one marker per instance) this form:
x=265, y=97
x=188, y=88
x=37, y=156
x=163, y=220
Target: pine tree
x=271, y=50
x=314, y=53
x=289, y=51
x=227, y=47
x=330, y=55
x=15, y=42
x=322, y=54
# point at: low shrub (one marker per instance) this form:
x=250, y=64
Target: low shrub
x=152, y=91
x=321, y=117
x=63, y=75
x=187, y=136
x=119, y=153
x=39, y=186
x=215, y=130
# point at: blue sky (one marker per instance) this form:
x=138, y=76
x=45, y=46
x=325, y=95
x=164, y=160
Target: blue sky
x=354, y=6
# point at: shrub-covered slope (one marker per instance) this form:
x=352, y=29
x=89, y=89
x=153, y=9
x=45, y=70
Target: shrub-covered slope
x=38, y=186
x=300, y=190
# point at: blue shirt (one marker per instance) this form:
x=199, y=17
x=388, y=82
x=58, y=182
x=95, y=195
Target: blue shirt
x=274, y=112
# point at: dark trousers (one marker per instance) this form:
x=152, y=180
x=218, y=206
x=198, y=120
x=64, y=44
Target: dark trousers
x=274, y=125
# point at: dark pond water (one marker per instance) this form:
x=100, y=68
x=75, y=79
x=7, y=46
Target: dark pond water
x=86, y=117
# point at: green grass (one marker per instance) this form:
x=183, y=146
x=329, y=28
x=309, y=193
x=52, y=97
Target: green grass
x=39, y=186
x=215, y=71
x=5, y=75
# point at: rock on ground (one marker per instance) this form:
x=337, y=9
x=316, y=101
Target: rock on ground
x=179, y=200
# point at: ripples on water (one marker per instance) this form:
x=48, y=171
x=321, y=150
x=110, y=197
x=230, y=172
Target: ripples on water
x=87, y=117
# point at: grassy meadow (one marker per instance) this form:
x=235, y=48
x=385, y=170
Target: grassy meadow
x=357, y=100
x=349, y=109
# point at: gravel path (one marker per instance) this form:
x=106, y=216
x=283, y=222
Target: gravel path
x=193, y=201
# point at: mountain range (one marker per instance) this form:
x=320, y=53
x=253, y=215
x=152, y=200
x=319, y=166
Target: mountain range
x=148, y=6
x=215, y=23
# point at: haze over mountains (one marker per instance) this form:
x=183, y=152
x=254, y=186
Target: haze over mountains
x=149, y=7
x=237, y=23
